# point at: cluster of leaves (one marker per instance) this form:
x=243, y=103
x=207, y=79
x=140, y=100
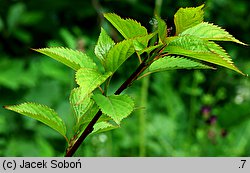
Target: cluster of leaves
x=192, y=47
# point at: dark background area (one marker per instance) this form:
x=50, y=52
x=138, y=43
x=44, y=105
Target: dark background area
x=187, y=113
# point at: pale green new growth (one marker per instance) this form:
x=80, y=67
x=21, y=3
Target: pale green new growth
x=71, y=58
x=89, y=79
x=80, y=99
x=150, y=48
x=83, y=107
x=129, y=28
x=100, y=127
x=186, y=18
x=173, y=63
x=118, y=55
x=104, y=44
x=209, y=31
x=41, y=113
x=141, y=43
x=81, y=102
x=117, y=107
x=87, y=117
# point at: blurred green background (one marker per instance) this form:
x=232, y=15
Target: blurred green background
x=180, y=113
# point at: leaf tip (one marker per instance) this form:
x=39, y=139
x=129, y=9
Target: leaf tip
x=109, y=14
x=34, y=49
x=201, y=6
x=5, y=107
x=244, y=44
x=246, y=75
x=8, y=107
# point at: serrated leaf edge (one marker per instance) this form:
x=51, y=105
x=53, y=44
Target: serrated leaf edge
x=110, y=125
x=117, y=59
x=186, y=8
x=123, y=102
x=102, y=59
x=230, y=36
x=101, y=75
x=49, y=49
x=20, y=112
x=124, y=19
x=227, y=58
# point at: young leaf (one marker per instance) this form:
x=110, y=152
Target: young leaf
x=141, y=43
x=129, y=28
x=138, y=45
x=118, y=55
x=186, y=18
x=41, y=113
x=81, y=102
x=201, y=49
x=71, y=58
x=89, y=79
x=209, y=31
x=104, y=44
x=162, y=29
x=117, y=107
x=150, y=48
x=172, y=63
x=84, y=107
x=100, y=127
x=88, y=116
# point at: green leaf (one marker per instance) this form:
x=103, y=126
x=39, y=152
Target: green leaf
x=216, y=49
x=188, y=42
x=88, y=116
x=143, y=40
x=162, y=29
x=219, y=51
x=150, y=48
x=129, y=28
x=186, y=18
x=89, y=79
x=81, y=102
x=71, y=58
x=141, y=43
x=209, y=31
x=116, y=107
x=201, y=49
x=138, y=46
x=84, y=109
x=41, y=113
x=118, y=55
x=104, y=44
x=172, y=63
x=100, y=127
